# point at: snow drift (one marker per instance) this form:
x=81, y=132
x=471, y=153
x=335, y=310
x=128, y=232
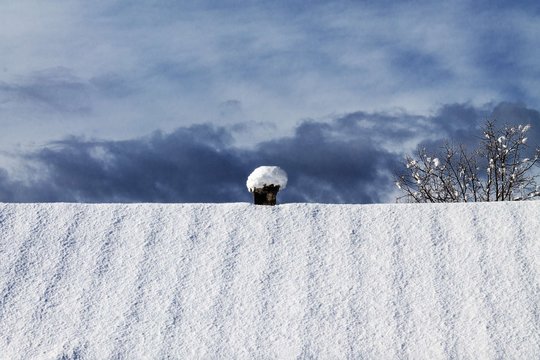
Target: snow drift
x=292, y=281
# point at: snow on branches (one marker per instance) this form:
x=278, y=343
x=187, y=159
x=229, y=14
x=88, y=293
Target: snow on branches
x=497, y=170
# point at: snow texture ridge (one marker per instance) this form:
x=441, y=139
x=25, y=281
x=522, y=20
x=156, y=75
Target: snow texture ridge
x=238, y=281
x=267, y=175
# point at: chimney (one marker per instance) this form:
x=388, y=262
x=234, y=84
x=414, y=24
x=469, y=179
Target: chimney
x=265, y=182
x=265, y=195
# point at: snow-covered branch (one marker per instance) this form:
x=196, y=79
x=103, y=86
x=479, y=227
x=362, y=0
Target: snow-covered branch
x=500, y=169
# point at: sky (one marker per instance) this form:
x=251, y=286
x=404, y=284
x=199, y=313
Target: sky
x=170, y=101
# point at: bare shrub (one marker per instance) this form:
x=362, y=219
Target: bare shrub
x=498, y=170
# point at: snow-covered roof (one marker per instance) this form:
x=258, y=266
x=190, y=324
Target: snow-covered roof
x=267, y=175
x=237, y=281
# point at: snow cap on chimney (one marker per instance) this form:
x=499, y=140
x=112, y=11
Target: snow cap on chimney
x=266, y=176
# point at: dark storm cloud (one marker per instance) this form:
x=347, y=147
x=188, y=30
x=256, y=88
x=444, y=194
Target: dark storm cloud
x=519, y=114
x=462, y=123
x=457, y=123
x=193, y=164
x=199, y=164
x=348, y=160
x=326, y=165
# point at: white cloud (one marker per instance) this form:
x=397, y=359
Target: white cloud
x=148, y=67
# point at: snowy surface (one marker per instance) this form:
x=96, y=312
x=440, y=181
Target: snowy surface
x=267, y=175
x=206, y=281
